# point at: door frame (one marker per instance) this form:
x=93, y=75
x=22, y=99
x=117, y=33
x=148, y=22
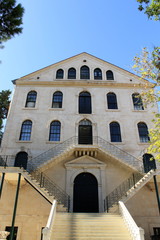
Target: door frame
x=97, y=169
x=94, y=127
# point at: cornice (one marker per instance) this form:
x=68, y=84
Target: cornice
x=81, y=83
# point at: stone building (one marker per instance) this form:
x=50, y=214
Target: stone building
x=78, y=131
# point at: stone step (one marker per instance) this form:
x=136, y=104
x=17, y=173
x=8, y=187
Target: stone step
x=89, y=226
x=89, y=238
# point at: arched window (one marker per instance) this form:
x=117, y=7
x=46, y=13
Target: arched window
x=31, y=99
x=72, y=73
x=85, y=132
x=55, y=131
x=85, y=73
x=26, y=129
x=109, y=75
x=57, y=100
x=143, y=132
x=97, y=74
x=112, y=101
x=137, y=101
x=115, y=132
x=21, y=160
x=148, y=162
x=59, y=74
x=85, y=103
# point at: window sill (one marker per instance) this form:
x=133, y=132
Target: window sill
x=143, y=143
x=139, y=110
x=53, y=142
x=118, y=143
x=56, y=109
x=29, y=108
x=21, y=141
x=112, y=110
x=85, y=114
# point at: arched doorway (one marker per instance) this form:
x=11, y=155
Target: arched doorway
x=85, y=132
x=85, y=195
x=21, y=160
x=148, y=162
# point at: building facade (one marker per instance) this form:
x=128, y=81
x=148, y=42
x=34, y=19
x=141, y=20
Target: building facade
x=82, y=123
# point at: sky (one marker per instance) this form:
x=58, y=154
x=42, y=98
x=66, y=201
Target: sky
x=54, y=30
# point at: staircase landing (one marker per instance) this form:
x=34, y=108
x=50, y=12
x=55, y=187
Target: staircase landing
x=86, y=226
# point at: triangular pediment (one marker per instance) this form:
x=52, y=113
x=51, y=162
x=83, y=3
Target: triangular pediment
x=48, y=74
x=85, y=161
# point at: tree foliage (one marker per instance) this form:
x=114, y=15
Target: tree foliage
x=148, y=67
x=4, y=106
x=151, y=8
x=10, y=19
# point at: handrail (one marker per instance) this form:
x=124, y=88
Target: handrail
x=121, y=190
x=136, y=232
x=47, y=231
x=51, y=153
x=44, y=182
x=120, y=154
x=53, y=189
x=34, y=163
x=73, y=141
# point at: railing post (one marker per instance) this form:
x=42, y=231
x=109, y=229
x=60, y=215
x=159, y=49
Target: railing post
x=15, y=208
x=41, y=179
x=5, y=164
x=134, y=180
x=157, y=192
x=68, y=204
x=2, y=181
x=107, y=204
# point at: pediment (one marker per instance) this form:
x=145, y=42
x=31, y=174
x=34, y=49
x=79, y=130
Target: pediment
x=85, y=161
x=47, y=74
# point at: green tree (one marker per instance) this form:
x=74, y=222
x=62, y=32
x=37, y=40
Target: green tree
x=151, y=8
x=10, y=19
x=4, y=106
x=148, y=67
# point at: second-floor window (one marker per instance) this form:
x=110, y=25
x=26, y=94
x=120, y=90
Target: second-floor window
x=115, y=132
x=31, y=99
x=143, y=132
x=57, y=100
x=85, y=103
x=26, y=129
x=137, y=101
x=112, y=101
x=55, y=131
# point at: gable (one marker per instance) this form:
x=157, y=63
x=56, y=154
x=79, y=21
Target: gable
x=85, y=161
x=48, y=74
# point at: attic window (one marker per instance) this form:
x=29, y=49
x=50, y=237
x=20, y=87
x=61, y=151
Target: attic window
x=84, y=60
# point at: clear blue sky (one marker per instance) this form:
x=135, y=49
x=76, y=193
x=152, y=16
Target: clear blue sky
x=113, y=30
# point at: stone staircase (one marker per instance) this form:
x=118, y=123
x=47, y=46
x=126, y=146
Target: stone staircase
x=131, y=191
x=35, y=184
x=98, y=226
x=62, y=150
x=43, y=191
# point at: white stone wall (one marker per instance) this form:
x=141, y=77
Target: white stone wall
x=42, y=115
